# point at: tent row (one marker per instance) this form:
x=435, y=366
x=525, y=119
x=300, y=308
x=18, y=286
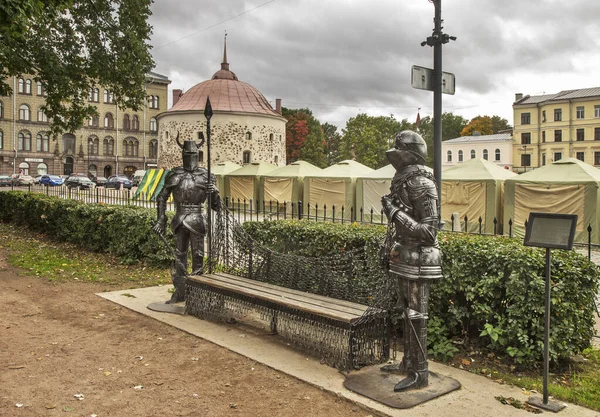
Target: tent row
x=476, y=189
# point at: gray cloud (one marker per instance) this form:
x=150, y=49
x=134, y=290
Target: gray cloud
x=339, y=58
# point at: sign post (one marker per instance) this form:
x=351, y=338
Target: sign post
x=549, y=230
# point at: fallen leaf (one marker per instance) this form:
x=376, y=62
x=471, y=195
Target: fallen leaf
x=19, y=405
x=50, y=406
x=232, y=405
x=68, y=408
x=107, y=373
x=465, y=362
x=139, y=358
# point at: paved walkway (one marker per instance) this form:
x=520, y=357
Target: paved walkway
x=475, y=398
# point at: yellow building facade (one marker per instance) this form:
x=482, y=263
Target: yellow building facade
x=116, y=142
x=551, y=127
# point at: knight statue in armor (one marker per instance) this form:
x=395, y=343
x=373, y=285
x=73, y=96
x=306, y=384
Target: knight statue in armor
x=190, y=186
x=413, y=255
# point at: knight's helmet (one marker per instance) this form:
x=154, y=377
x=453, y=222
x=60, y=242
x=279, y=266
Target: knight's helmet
x=189, y=153
x=409, y=148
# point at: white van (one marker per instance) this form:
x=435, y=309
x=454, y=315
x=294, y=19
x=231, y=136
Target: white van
x=137, y=177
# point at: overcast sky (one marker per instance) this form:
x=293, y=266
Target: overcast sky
x=344, y=57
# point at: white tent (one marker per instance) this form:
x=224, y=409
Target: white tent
x=245, y=184
x=286, y=184
x=334, y=187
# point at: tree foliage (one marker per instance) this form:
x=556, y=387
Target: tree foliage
x=366, y=138
x=485, y=125
x=333, y=141
x=304, y=138
x=452, y=125
x=70, y=46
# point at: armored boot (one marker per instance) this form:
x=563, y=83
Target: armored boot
x=179, y=282
x=415, y=354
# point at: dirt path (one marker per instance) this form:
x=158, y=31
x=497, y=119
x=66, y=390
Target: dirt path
x=60, y=340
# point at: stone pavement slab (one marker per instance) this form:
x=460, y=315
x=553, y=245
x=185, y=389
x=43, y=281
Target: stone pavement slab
x=475, y=398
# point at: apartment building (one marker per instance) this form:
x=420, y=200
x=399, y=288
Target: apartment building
x=496, y=148
x=551, y=127
x=115, y=142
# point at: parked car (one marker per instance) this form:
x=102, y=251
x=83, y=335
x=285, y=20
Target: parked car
x=99, y=181
x=51, y=180
x=118, y=181
x=5, y=181
x=22, y=179
x=82, y=183
x=37, y=179
x=137, y=177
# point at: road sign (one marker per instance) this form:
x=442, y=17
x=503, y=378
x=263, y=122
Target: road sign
x=422, y=78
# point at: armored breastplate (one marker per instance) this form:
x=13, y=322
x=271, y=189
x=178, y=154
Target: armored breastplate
x=191, y=188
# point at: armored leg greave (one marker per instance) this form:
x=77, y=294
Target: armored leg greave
x=197, y=254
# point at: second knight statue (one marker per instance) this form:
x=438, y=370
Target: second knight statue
x=190, y=186
x=412, y=252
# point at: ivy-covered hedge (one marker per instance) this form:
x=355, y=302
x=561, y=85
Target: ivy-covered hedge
x=492, y=294
x=122, y=231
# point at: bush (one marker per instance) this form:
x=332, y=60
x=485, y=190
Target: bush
x=492, y=292
x=122, y=231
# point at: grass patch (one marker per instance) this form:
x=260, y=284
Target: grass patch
x=38, y=255
x=577, y=382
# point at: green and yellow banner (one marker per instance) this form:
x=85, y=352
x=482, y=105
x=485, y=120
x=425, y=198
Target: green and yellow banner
x=151, y=184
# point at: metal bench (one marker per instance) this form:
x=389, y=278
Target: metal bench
x=345, y=335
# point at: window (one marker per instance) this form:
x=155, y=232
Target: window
x=449, y=156
x=40, y=89
x=543, y=116
x=42, y=169
x=108, y=121
x=1, y=140
x=596, y=111
x=558, y=136
x=135, y=123
x=557, y=115
x=153, y=102
x=276, y=159
x=94, y=95
x=485, y=154
x=497, y=154
x=93, y=145
x=460, y=156
x=1, y=110
x=69, y=143
x=557, y=156
x=580, y=112
x=130, y=147
x=24, y=141
x=21, y=86
x=153, y=125
x=108, y=146
x=543, y=159
x=201, y=157
x=544, y=136
x=93, y=121
x=473, y=154
x=597, y=133
x=526, y=160
x=596, y=158
x=580, y=156
x=27, y=86
x=42, y=141
x=525, y=138
x=24, y=112
x=248, y=135
x=271, y=137
x=42, y=116
x=126, y=122
x=153, y=149
x=580, y=135
x=108, y=97
x=246, y=157
x=525, y=118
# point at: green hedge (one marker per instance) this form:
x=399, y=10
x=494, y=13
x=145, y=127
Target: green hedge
x=122, y=231
x=492, y=294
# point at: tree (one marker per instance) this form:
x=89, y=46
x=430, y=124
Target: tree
x=452, y=125
x=499, y=124
x=70, y=46
x=304, y=137
x=366, y=138
x=481, y=124
x=332, y=143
